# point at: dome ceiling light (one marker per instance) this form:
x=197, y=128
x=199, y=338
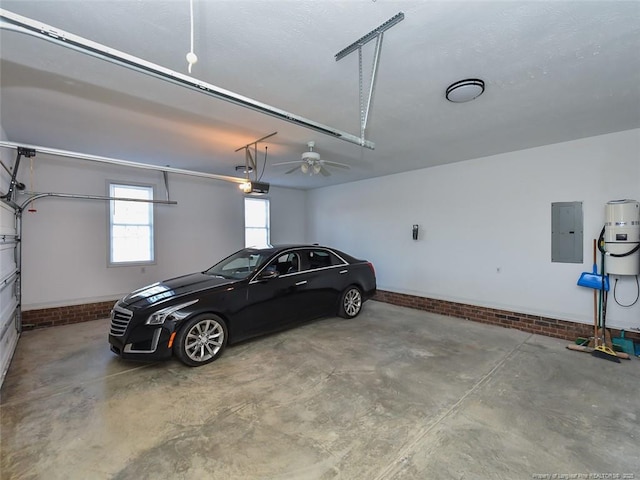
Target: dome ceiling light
x=465, y=90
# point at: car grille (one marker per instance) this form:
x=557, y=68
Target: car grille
x=120, y=318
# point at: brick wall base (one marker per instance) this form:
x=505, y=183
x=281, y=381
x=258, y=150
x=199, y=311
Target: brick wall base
x=550, y=327
x=50, y=317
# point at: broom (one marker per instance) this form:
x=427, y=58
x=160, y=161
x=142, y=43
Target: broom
x=603, y=350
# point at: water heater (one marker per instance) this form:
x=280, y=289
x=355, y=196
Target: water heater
x=622, y=237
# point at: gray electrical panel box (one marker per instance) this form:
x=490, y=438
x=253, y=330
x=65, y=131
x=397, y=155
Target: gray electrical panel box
x=566, y=232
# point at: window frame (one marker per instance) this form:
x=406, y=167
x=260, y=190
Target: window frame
x=267, y=201
x=110, y=203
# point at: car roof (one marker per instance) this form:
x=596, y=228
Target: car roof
x=272, y=249
x=275, y=249
x=285, y=246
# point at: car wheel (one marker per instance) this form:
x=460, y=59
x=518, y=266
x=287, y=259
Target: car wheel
x=351, y=302
x=201, y=340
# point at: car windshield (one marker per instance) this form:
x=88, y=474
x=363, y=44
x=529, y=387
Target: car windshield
x=239, y=265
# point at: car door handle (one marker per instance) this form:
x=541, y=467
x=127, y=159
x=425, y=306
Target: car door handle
x=342, y=272
x=301, y=283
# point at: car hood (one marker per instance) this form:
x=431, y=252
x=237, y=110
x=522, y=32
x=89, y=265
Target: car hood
x=173, y=288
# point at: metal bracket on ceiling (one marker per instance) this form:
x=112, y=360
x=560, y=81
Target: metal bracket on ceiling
x=377, y=34
x=17, y=23
x=249, y=159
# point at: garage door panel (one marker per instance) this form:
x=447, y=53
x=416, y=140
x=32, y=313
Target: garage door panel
x=7, y=220
x=8, y=301
x=9, y=286
x=8, y=264
x=8, y=341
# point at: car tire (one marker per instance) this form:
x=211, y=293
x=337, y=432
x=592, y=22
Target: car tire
x=350, y=302
x=201, y=340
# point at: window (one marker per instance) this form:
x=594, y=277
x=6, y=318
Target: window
x=284, y=264
x=130, y=225
x=256, y=222
x=239, y=265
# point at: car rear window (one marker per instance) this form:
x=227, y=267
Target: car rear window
x=321, y=259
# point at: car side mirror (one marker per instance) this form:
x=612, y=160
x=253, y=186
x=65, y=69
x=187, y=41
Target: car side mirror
x=268, y=274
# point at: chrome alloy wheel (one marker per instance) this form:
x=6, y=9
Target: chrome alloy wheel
x=352, y=302
x=204, y=340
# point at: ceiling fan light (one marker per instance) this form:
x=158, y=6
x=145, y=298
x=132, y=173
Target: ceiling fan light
x=304, y=167
x=316, y=168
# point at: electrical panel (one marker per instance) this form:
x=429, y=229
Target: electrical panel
x=566, y=232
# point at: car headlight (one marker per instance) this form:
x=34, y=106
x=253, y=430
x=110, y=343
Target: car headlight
x=173, y=312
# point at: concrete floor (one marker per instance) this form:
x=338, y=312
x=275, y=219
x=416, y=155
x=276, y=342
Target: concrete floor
x=393, y=394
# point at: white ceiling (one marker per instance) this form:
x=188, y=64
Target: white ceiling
x=554, y=71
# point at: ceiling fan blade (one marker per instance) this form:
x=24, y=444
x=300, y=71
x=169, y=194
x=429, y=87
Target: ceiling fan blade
x=292, y=170
x=325, y=172
x=336, y=164
x=285, y=163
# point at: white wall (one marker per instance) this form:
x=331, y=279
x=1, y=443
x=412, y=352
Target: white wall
x=475, y=217
x=65, y=241
x=6, y=155
x=288, y=216
x=485, y=226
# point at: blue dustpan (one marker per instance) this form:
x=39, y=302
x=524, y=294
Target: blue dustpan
x=625, y=344
x=593, y=280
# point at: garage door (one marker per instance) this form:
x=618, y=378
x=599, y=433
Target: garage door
x=9, y=286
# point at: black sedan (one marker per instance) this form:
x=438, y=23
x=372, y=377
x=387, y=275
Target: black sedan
x=252, y=292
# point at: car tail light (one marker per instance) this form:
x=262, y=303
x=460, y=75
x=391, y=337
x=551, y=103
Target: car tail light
x=373, y=270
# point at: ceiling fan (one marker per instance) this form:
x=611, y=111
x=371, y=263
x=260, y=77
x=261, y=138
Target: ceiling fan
x=312, y=164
